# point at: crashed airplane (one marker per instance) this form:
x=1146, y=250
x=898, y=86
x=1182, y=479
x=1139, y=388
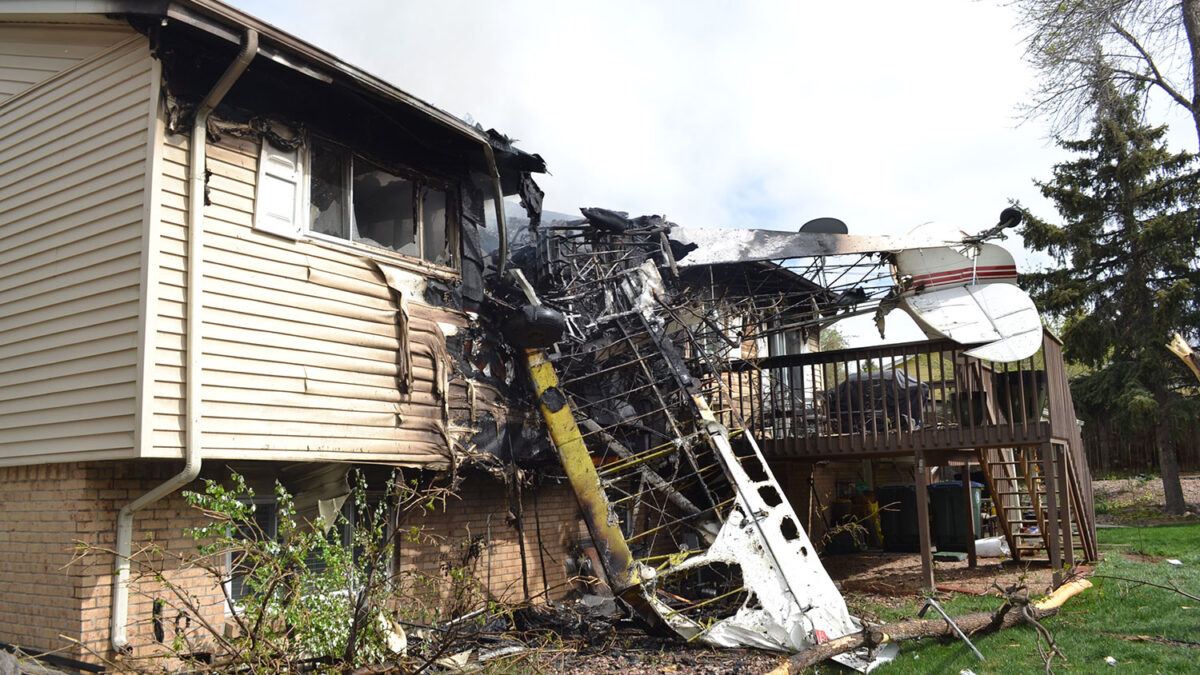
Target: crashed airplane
x=628, y=333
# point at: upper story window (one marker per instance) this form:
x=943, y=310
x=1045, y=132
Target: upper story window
x=326, y=189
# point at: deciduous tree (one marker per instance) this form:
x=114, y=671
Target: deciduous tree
x=1149, y=46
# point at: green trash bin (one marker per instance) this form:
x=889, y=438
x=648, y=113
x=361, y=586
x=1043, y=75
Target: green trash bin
x=949, y=519
x=898, y=517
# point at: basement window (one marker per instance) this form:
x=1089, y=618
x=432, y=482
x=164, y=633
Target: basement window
x=266, y=527
x=338, y=194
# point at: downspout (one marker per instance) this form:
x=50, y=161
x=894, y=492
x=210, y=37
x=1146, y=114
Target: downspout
x=192, y=459
x=501, y=223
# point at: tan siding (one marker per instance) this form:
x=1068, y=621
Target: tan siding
x=31, y=53
x=300, y=338
x=72, y=154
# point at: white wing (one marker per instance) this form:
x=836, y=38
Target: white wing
x=999, y=314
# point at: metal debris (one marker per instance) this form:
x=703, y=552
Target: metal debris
x=692, y=529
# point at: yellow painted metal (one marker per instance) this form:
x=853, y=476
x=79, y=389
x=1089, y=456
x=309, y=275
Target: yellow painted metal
x=581, y=473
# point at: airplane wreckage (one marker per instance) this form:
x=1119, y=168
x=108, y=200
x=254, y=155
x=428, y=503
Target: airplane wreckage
x=627, y=326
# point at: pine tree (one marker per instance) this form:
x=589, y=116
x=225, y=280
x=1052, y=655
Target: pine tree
x=1127, y=274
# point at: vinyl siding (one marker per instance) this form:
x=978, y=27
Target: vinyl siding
x=33, y=53
x=73, y=155
x=300, y=338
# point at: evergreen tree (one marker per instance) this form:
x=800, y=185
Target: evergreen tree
x=1128, y=272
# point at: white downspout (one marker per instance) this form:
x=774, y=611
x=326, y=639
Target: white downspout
x=192, y=455
x=501, y=222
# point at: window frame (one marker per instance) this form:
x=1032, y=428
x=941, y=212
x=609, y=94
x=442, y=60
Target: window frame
x=266, y=218
x=344, y=524
x=231, y=562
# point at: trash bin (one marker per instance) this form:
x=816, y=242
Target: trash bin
x=949, y=520
x=898, y=518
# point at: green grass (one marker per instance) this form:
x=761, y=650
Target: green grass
x=1089, y=625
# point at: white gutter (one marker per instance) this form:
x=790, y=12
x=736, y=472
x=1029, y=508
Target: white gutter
x=192, y=445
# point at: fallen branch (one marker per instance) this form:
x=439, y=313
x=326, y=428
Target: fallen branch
x=1157, y=639
x=920, y=628
x=1142, y=582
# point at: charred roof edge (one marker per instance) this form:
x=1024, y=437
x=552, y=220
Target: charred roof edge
x=229, y=23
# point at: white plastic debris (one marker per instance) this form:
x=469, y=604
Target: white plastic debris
x=1110, y=660
x=992, y=547
x=966, y=671
x=397, y=640
x=1175, y=562
x=456, y=662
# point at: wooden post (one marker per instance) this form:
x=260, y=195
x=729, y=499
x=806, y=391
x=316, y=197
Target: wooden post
x=923, y=522
x=1064, y=508
x=968, y=493
x=1050, y=484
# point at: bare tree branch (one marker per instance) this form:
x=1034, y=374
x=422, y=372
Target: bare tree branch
x=1158, y=79
x=1136, y=46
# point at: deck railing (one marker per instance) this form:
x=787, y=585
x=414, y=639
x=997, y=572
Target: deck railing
x=894, y=398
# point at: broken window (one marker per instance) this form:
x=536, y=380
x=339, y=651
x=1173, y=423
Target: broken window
x=359, y=200
x=328, y=188
x=385, y=212
x=352, y=198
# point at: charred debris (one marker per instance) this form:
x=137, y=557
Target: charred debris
x=627, y=353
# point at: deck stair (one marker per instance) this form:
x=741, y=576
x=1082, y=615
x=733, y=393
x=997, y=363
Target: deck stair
x=1017, y=480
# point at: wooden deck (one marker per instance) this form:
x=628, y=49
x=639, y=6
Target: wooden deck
x=930, y=401
x=892, y=400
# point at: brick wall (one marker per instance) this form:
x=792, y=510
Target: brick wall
x=894, y=471
x=474, y=532
x=814, y=510
x=46, y=591
x=46, y=510
x=793, y=479
x=37, y=524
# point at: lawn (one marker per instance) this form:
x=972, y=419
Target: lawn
x=1146, y=629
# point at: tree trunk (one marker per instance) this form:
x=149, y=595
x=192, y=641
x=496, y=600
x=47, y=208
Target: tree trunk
x=1008, y=616
x=1168, y=459
x=1191, y=26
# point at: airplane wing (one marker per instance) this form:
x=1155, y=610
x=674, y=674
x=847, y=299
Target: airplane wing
x=929, y=269
x=716, y=245
x=967, y=294
x=1002, y=315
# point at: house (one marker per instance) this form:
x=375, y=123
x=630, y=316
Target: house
x=223, y=248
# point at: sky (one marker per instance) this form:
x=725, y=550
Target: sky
x=759, y=113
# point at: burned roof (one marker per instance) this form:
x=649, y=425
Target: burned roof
x=296, y=81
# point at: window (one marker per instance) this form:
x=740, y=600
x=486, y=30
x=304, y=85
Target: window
x=266, y=527
x=346, y=196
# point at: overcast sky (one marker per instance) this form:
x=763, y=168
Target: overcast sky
x=740, y=114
